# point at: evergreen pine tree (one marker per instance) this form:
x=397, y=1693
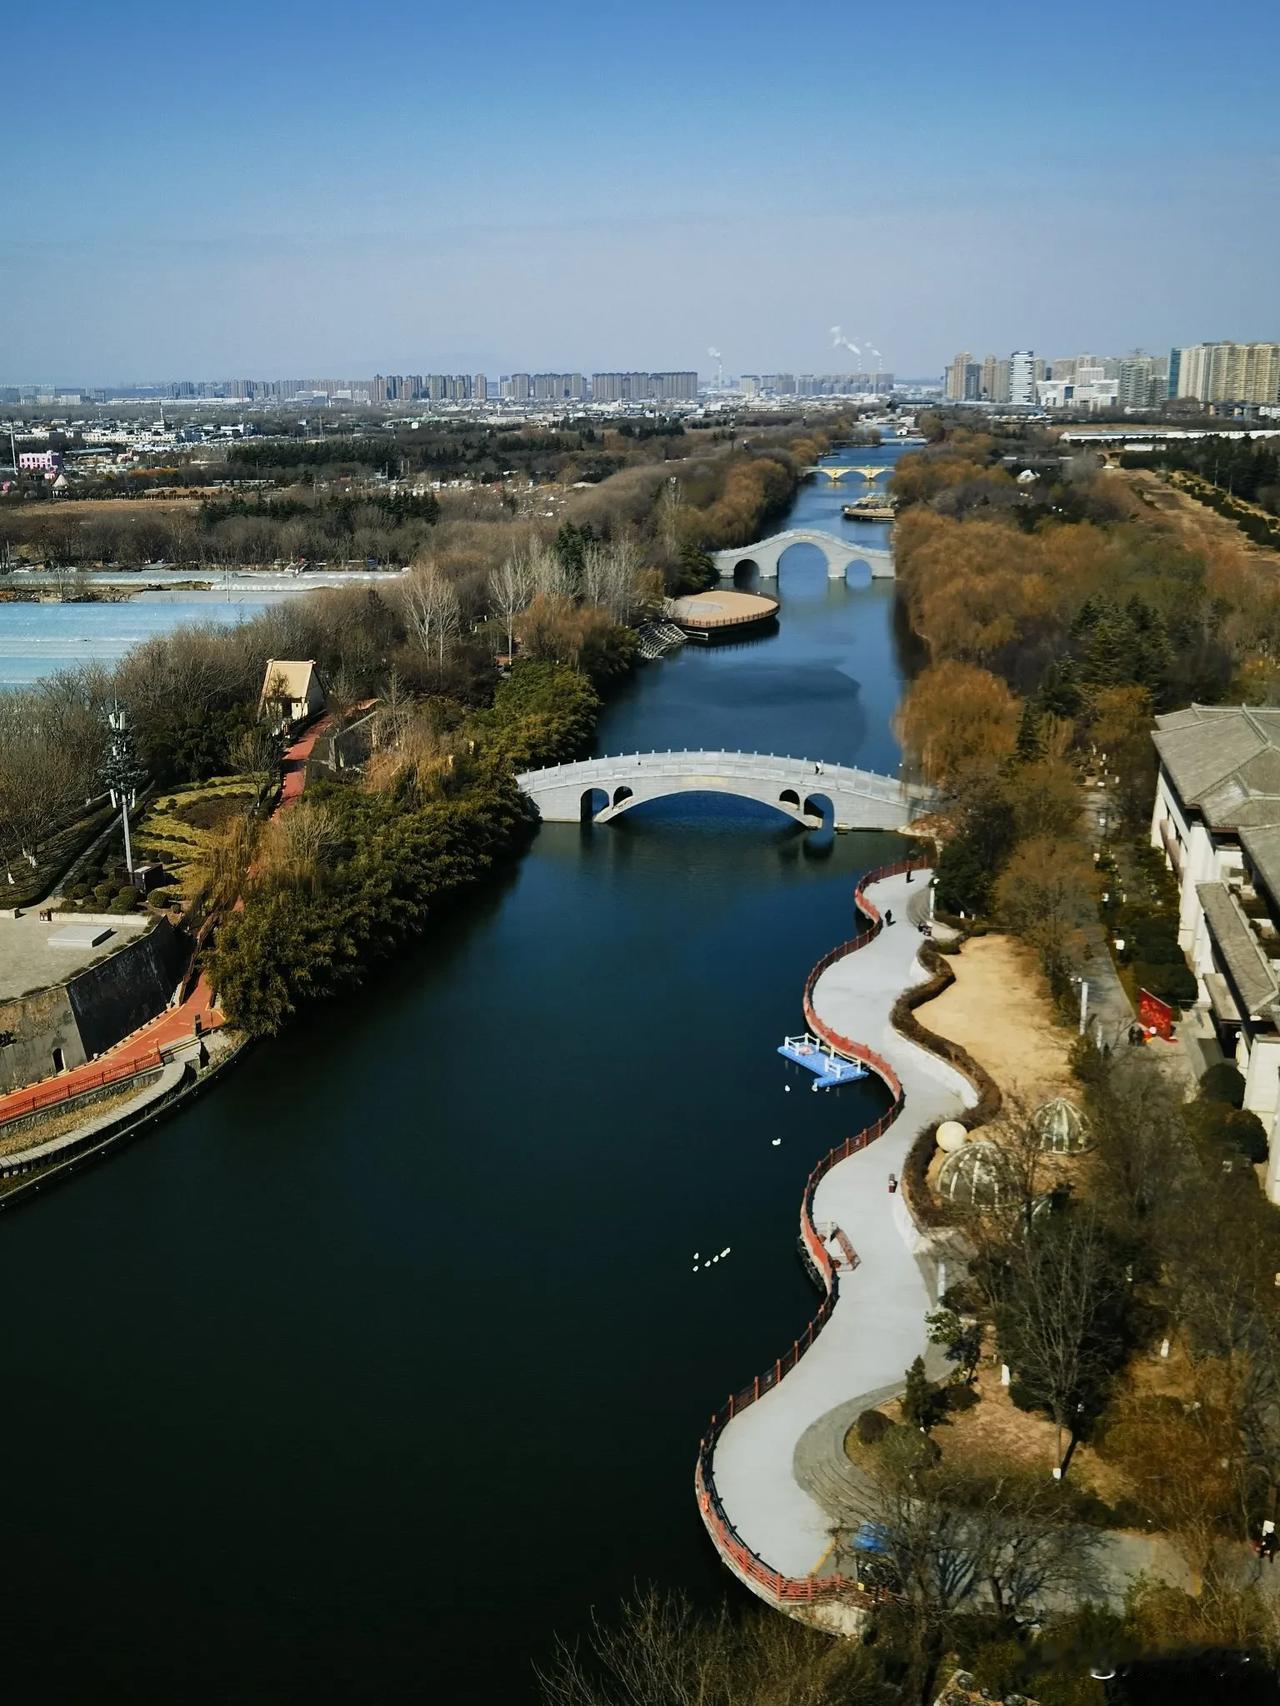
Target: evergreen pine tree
x=1030, y=744
x=919, y=1401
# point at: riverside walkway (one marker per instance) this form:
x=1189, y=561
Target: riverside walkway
x=876, y=1326
x=773, y=1481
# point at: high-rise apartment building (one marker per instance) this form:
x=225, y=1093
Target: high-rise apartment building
x=668, y=387
x=1023, y=376
x=1139, y=383
x=521, y=387
x=1226, y=373
x=559, y=387
x=479, y=387
x=963, y=379
x=993, y=384
x=675, y=387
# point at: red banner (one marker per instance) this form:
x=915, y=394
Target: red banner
x=1155, y=1016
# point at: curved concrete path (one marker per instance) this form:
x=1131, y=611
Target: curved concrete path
x=877, y=1326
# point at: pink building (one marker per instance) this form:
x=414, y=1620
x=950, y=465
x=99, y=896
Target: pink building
x=40, y=462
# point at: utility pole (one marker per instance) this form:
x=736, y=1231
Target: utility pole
x=121, y=774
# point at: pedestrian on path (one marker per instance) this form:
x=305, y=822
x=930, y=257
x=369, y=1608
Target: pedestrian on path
x=888, y=915
x=893, y=1183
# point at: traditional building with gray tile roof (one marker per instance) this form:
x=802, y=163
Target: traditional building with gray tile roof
x=1217, y=822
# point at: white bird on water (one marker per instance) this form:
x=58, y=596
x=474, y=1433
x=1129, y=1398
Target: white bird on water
x=776, y=1142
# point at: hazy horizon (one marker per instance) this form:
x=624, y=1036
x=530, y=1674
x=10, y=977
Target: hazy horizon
x=268, y=192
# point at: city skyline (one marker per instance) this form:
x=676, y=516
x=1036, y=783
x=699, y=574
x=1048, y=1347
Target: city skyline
x=633, y=190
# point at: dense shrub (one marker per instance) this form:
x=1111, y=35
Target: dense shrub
x=294, y=941
x=1175, y=984
x=1223, y=1082
x=1235, y=1130
x=872, y=1426
x=957, y=1397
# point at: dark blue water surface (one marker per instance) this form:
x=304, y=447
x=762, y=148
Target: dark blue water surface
x=386, y=1360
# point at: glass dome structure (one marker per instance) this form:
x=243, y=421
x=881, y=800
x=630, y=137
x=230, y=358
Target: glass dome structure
x=973, y=1177
x=1063, y=1129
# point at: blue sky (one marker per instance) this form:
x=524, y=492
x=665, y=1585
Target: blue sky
x=287, y=189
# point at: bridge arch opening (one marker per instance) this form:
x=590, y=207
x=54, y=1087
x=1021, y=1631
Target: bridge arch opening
x=592, y=803
x=804, y=565
x=819, y=808
x=789, y=797
x=621, y=794
x=857, y=573
x=746, y=573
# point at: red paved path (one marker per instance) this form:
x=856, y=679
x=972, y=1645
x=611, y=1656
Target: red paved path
x=294, y=767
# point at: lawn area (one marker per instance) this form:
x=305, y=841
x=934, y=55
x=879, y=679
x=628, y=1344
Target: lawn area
x=181, y=824
x=31, y=883
x=992, y=1436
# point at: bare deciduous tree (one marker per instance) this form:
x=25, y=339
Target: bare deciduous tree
x=661, y=1652
x=1058, y=1297
x=951, y=1542
x=511, y=588
x=432, y=611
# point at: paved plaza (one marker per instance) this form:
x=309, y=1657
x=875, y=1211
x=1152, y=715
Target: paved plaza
x=27, y=962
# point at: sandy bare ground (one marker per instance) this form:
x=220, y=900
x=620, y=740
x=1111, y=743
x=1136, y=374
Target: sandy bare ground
x=92, y=509
x=1194, y=522
x=999, y=1010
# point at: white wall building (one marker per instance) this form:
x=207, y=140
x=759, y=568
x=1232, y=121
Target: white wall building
x=1217, y=822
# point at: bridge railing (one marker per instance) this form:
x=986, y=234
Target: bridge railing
x=781, y=1589
x=662, y=763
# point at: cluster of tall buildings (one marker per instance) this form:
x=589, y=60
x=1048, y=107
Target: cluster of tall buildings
x=995, y=379
x=430, y=387
x=543, y=387
x=816, y=384
x=1226, y=373
x=666, y=387
x=657, y=387
x=1245, y=374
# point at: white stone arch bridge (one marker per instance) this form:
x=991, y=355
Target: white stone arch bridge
x=797, y=787
x=766, y=553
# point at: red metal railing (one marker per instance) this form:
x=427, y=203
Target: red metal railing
x=788, y=1590
x=50, y=1094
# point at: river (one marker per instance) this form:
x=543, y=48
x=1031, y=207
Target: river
x=386, y=1359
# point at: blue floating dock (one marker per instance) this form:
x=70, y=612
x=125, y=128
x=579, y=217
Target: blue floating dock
x=828, y=1067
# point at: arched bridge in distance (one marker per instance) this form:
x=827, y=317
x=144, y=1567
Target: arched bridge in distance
x=600, y=789
x=766, y=554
